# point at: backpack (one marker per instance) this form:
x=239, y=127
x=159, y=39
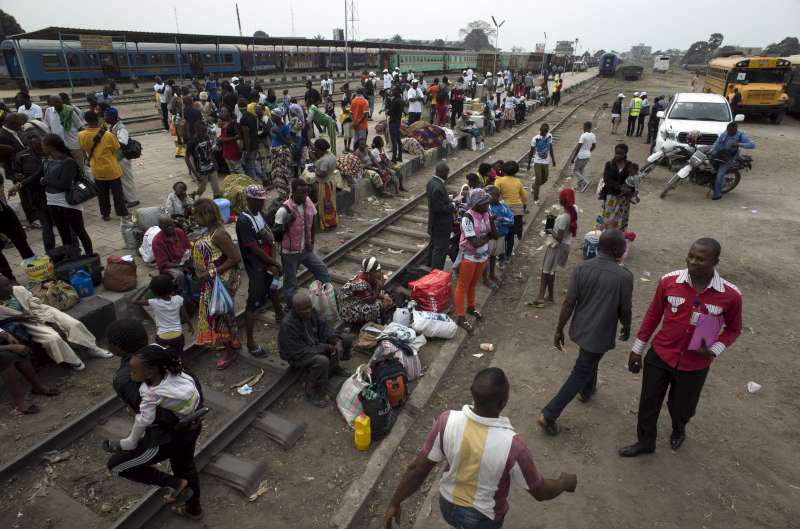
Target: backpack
x=205, y=157
x=390, y=375
x=377, y=407
x=132, y=149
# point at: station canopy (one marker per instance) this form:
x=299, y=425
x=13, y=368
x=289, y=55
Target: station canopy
x=58, y=33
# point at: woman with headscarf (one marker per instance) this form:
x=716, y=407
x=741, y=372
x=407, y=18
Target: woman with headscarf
x=477, y=229
x=616, y=194
x=206, y=107
x=362, y=299
x=324, y=166
x=321, y=119
x=559, y=237
x=215, y=254
x=281, y=153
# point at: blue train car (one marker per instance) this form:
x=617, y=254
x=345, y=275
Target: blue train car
x=48, y=64
x=608, y=64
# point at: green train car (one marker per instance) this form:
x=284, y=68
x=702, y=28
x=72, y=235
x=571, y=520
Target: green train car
x=421, y=61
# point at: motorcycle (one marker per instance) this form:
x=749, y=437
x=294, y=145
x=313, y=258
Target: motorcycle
x=702, y=170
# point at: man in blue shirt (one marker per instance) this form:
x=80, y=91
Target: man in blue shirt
x=727, y=147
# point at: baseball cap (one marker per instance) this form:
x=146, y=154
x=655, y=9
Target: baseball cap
x=255, y=191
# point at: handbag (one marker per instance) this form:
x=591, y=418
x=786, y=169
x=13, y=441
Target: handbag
x=120, y=274
x=347, y=399
x=221, y=301
x=323, y=299
x=81, y=189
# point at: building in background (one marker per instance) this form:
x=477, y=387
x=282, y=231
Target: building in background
x=640, y=50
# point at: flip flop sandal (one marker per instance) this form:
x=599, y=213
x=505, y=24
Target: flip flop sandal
x=180, y=510
x=30, y=410
x=48, y=392
x=467, y=326
x=535, y=304
x=473, y=312
x=223, y=363
x=181, y=498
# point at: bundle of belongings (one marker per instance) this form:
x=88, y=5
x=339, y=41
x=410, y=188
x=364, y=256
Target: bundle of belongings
x=233, y=187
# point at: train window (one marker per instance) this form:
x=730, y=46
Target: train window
x=51, y=60
x=208, y=58
x=228, y=58
x=141, y=58
x=155, y=58
x=122, y=60
x=73, y=59
x=169, y=58
x=92, y=58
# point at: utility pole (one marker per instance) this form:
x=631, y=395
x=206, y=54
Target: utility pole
x=544, y=54
x=238, y=20
x=346, y=50
x=496, y=40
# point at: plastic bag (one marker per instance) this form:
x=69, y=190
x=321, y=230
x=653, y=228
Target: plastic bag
x=434, y=324
x=347, y=399
x=432, y=292
x=402, y=315
x=126, y=227
x=40, y=269
x=323, y=299
x=221, y=300
x=57, y=294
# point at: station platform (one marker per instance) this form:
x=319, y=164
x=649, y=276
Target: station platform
x=157, y=171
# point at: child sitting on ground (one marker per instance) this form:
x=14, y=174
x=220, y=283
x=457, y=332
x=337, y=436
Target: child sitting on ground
x=168, y=310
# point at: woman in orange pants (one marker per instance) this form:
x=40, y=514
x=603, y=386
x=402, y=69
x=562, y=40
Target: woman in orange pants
x=477, y=229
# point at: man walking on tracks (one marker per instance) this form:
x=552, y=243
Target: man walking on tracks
x=484, y=455
x=634, y=109
x=440, y=216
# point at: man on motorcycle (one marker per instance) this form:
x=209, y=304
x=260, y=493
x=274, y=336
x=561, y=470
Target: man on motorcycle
x=726, y=148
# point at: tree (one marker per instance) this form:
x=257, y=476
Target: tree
x=727, y=51
x=397, y=39
x=715, y=41
x=784, y=48
x=260, y=34
x=518, y=49
x=697, y=53
x=477, y=34
x=439, y=42
x=318, y=37
x=8, y=26
x=599, y=53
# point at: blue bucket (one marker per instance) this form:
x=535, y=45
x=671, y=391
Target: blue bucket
x=224, y=206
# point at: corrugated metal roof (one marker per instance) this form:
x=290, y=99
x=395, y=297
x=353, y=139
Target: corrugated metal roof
x=54, y=33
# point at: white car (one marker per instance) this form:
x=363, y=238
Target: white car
x=708, y=114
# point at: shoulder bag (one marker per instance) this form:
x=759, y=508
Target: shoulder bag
x=82, y=187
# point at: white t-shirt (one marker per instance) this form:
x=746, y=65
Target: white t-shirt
x=562, y=223
x=480, y=254
x=586, y=141
x=282, y=215
x=541, y=148
x=167, y=314
x=35, y=112
x=387, y=81
x=414, y=106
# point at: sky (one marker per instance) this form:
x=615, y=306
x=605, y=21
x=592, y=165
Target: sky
x=608, y=24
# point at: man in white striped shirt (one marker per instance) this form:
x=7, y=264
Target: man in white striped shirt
x=484, y=455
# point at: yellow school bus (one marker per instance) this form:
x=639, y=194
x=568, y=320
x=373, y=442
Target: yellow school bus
x=761, y=82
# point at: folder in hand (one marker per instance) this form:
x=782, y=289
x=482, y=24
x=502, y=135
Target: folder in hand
x=707, y=329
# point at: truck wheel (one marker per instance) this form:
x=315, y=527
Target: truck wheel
x=673, y=181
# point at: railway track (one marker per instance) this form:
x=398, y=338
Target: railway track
x=400, y=239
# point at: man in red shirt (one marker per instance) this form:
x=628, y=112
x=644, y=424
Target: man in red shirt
x=171, y=249
x=683, y=298
x=359, y=108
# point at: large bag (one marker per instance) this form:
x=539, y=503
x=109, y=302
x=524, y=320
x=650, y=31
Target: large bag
x=57, y=294
x=323, y=299
x=132, y=149
x=367, y=339
x=434, y=324
x=402, y=315
x=120, y=275
x=61, y=253
x=377, y=407
x=347, y=399
x=90, y=263
x=146, y=248
x=411, y=361
x=221, y=300
x=432, y=292
x=147, y=217
x=390, y=375
x=40, y=269
x=126, y=229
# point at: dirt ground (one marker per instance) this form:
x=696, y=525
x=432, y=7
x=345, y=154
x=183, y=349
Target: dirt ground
x=737, y=469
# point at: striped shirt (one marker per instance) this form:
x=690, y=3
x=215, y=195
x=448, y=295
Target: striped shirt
x=483, y=456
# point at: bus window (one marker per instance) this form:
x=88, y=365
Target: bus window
x=757, y=76
x=51, y=60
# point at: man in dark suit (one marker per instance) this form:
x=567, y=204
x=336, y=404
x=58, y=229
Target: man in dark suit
x=440, y=216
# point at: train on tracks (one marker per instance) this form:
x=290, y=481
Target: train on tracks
x=608, y=64
x=52, y=61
